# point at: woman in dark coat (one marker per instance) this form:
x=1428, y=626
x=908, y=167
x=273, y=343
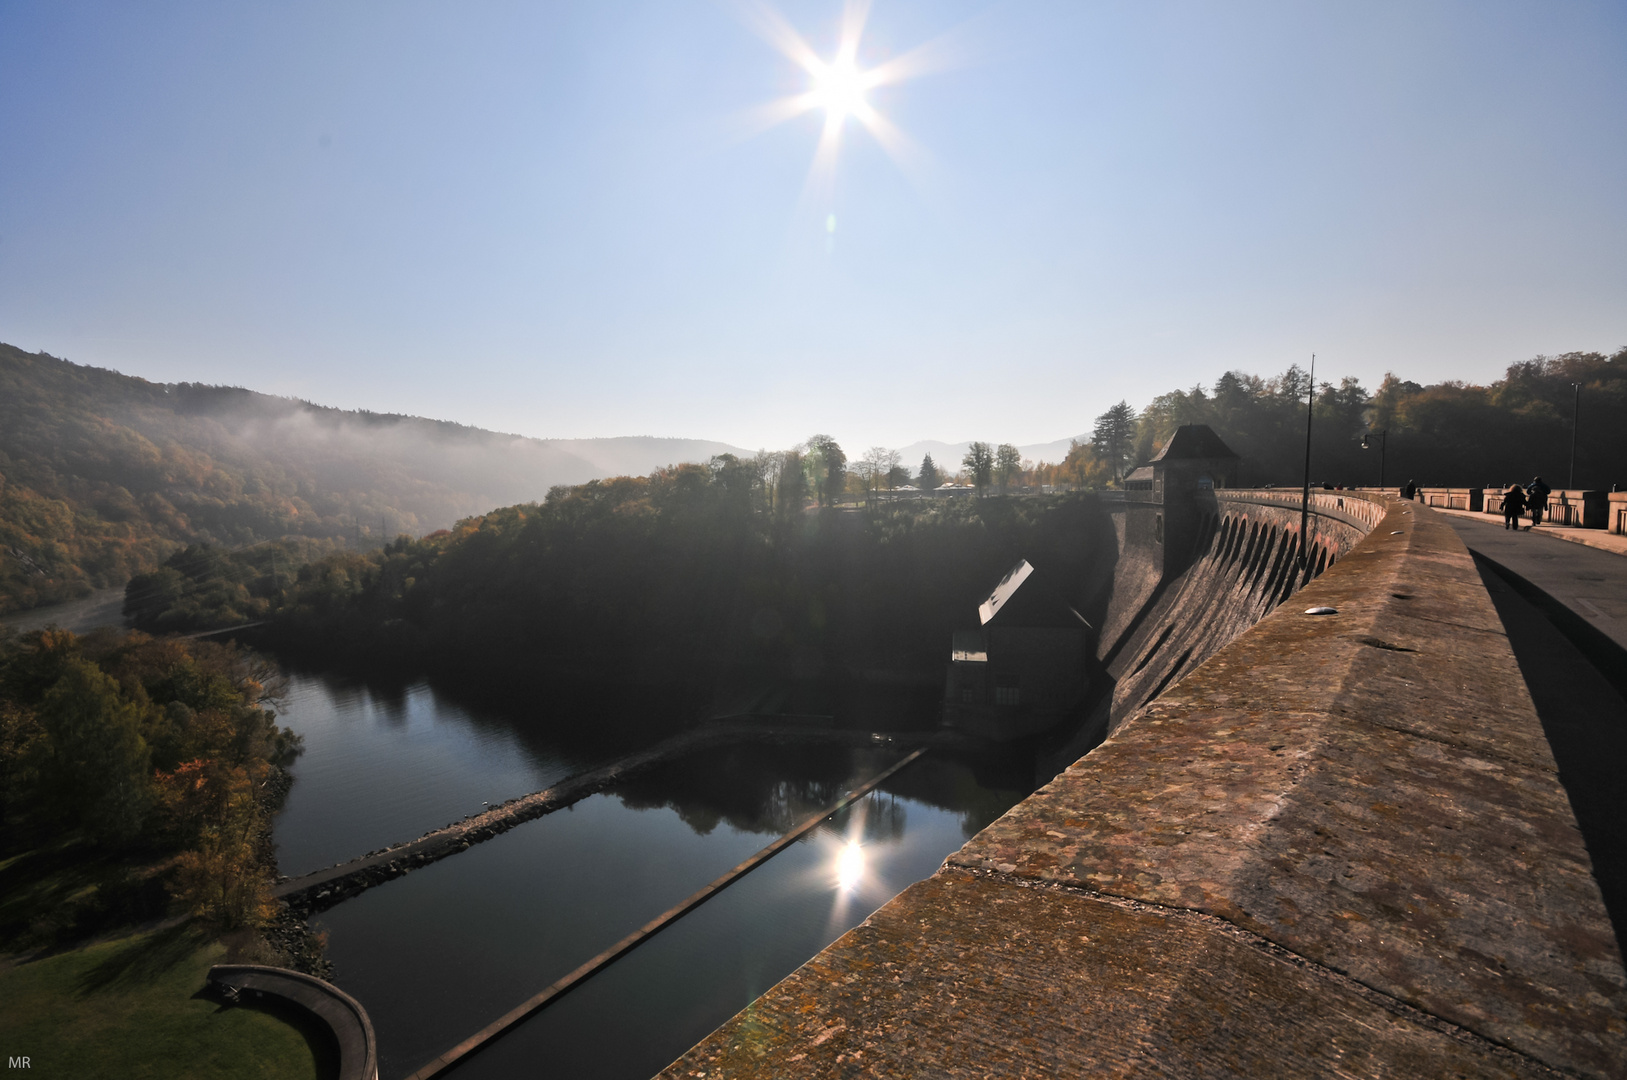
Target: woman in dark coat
x=1513, y=506
x=1536, y=499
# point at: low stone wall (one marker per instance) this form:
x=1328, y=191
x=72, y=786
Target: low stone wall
x=1617, y=513
x=1572, y=507
x=1579, y=509
x=340, y=1013
x=1453, y=498
x=1339, y=847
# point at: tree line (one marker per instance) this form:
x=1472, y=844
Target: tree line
x=1444, y=434
x=1448, y=434
x=695, y=578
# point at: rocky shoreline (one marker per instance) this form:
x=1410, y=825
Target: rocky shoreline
x=288, y=935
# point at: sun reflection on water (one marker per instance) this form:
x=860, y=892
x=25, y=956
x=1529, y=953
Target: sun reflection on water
x=849, y=866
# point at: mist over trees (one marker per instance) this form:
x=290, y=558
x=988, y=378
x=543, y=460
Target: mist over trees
x=103, y=475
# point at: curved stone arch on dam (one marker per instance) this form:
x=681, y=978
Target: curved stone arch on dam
x=1338, y=847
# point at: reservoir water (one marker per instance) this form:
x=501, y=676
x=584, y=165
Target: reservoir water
x=440, y=953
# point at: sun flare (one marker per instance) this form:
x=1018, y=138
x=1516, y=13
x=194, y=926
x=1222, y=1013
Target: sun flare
x=838, y=88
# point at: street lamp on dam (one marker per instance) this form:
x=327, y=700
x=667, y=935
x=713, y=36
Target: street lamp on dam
x=1383, y=438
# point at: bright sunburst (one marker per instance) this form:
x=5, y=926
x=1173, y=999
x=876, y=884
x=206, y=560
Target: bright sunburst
x=839, y=87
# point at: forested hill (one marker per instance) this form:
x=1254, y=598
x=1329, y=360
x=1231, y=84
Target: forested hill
x=102, y=475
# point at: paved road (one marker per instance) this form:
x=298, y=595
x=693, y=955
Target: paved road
x=100, y=608
x=1590, y=582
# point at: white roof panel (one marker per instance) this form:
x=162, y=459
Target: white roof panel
x=1004, y=591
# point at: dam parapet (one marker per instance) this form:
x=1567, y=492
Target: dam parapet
x=1337, y=846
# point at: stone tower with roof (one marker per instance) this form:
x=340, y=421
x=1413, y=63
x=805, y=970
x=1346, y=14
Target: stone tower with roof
x=1181, y=480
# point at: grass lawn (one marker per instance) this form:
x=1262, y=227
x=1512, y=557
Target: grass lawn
x=128, y=1008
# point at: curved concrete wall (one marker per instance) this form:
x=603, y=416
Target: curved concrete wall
x=1339, y=847
x=342, y=1014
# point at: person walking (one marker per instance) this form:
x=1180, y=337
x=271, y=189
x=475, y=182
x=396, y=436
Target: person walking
x=1513, y=506
x=1537, y=500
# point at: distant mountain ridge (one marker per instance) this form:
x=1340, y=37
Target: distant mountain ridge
x=639, y=455
x=103, y=474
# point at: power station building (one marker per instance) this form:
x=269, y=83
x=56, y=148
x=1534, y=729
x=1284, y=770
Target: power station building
x=1024, y=667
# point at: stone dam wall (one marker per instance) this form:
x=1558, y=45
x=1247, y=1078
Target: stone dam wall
x=1320, y=845
x=1179, y=597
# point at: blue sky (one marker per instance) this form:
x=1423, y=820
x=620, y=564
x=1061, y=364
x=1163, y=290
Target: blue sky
x=552, y=218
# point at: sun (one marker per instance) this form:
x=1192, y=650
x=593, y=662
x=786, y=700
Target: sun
x=838, y=89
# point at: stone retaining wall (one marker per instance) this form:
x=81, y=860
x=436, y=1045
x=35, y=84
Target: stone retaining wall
x=336, y=1010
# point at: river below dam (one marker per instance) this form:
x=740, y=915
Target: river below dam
x=440, y=953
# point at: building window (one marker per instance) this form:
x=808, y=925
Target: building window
x=1158, y=528
x=1007, y=690
x=968, y=696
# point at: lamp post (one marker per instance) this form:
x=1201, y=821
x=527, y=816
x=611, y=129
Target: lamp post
x=1305, y=496
x=1576, y=415
x=1383, y=441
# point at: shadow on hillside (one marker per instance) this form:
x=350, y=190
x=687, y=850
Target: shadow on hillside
x=142, y=960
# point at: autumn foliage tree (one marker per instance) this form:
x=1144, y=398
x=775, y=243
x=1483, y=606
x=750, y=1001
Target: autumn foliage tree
x=145, y=747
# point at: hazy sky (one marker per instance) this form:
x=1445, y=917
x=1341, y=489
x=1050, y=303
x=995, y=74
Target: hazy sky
x=556, y=219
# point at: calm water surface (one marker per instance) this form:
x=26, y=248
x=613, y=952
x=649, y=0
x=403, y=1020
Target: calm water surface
x=440, y=953
x=380, y=767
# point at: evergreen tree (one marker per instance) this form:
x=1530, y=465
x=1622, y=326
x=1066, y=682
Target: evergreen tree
x=1111, y=438
x=930, y=476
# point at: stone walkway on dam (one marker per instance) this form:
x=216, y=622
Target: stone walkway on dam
x=1593, y=538
x=1589, y=581
x=1339, y=847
